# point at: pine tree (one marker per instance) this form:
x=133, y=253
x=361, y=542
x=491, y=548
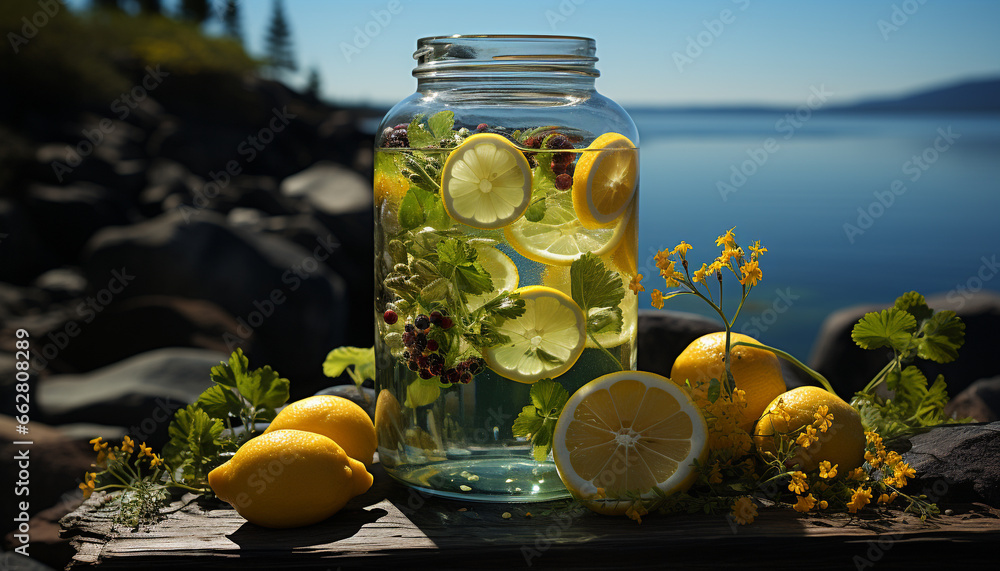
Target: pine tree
x=231, y=20
x=194, y=10
x=313, y=83
x=279, y=42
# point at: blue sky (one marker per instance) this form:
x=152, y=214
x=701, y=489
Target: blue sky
x=770, y=52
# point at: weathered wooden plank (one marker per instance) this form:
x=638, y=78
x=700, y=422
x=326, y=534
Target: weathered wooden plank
x=392, y=525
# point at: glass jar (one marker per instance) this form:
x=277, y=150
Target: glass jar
x=506, y=191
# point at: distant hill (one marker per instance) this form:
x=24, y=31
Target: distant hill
x=971, y=96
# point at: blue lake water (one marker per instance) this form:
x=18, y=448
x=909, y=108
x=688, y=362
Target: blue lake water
x=939, y=229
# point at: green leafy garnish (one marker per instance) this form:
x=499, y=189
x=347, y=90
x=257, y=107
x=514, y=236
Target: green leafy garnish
x=598, y=291
x=422, y=392
x=358, y=362
x=441, y=124
x=913, y=331
x=421, y=208
x=418, y=136
x=537, y=421
x=194, y=445
x=457, y=261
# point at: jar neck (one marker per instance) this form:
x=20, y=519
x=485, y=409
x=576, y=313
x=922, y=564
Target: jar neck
x=544, y=65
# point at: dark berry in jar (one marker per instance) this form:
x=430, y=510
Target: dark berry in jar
x=390, y=317
x=409, y=338
x=422, y=322
x=425, y=374
x=436, y=368
x=435, y=317
x=476, y=366
x=564, y=181
x=446, y=322
x=466, y=377
x=432, y=345
x=412, y=365
x=406, y=355
x=409, y=328
x=558, y=142
x=422, y=361
x=482, y=127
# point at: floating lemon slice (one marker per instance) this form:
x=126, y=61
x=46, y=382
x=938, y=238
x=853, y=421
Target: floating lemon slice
x=502, y=272
x=605, y=179
x=545, y=341
x=628, y=432
x=626, y=254
x=559, y=238
x=486, y=182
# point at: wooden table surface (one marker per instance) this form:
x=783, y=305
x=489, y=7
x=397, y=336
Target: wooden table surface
x=393, y=526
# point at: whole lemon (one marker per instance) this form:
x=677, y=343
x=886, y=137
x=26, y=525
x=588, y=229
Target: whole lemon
x=756, y=371
x=289, y=478
x=842, y=443
x=337, y=418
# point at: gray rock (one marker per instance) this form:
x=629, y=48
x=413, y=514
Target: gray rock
x=62, y=283
x=140, y=393
x=330, y=188
x=67, y=216
x=664, y=334
x=284, y=296
x=981, y=401
x=957, y=464
x=849, y=368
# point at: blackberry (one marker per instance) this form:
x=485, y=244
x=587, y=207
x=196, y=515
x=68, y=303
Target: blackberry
x=412, y=365
x=533, y=142
x=422, y=362
x=425, y=374
x=435, y=359
x=435, y=317
x=466, y=378
x=390, y=317
x=557, y=168
x=409, y=338
x=436, y=368
x=422, y=322
x=564, y=181
x=395, y=137
x=406, y=355
x=432, y=345
x=475, y=366
x=421, y=342
x=446, y=322
x=558, y=142
x=409, y=328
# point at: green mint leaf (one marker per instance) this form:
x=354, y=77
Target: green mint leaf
x=220, y=402
x=929, y=411
x=548, y=397
x=422, y=392
x=458, y=261
x=418, y=136
x=506, y=305
x=910, y=382
x=274, y=390
x=338, y=360
x=411, y=211
x=605, y=320
x=543, y=180
x=714, y=390
x=227, y=373
x=941, y=337
x=593, y=285
x=914, y=304
x=527, y=422
x=194, y=444
x=541, y=442
x=888, y=328
x=441, y=124
x=536, y=211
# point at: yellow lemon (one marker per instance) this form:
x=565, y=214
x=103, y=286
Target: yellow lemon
x=337, y=418
x=756, y=371
x=842, y=443
x=604, y=181
x=390, y=186
x=628, y=432
x=289, y=478
x=545, y=341
x=503, y=274
x=560, y=238
x=486, y=182
x=625, y=256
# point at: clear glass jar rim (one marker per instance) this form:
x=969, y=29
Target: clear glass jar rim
x=501, y=53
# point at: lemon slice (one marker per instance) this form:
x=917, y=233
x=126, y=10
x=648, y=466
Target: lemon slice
x=502, y=272
x=545, y=341
x=558, y=277
x=486, y=182
x=626, y=254
x=559, y=238
x=628, y=432
x=604, y=181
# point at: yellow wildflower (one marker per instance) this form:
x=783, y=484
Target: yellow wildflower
x=674, y=279
x=807, y=437
x=128, y=445
x=145, y=450
x=872, y=437
x=823, y=504
x=826, y=470
x=699, y=274
x=663, y=261
x=728, y=239
x=756, y=250
x=98, y=445
x=682, y=249
x=715, y=474
x=873, y=458
x=859, y=499
x=804, y=503
x=824, y=418
x=901, y=472
x=155, y=461
x=667, y=271
x=857, y=474
x=635, y=285
x=751, y=273
x=744, y=510
x=88, y=484
x=715, y=267
x=798, y=483
x=636, y=511
x=891, y=458
x=657, y=296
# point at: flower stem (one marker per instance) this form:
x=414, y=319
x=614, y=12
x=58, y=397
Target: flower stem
x=606, y=352
x=818, y=377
